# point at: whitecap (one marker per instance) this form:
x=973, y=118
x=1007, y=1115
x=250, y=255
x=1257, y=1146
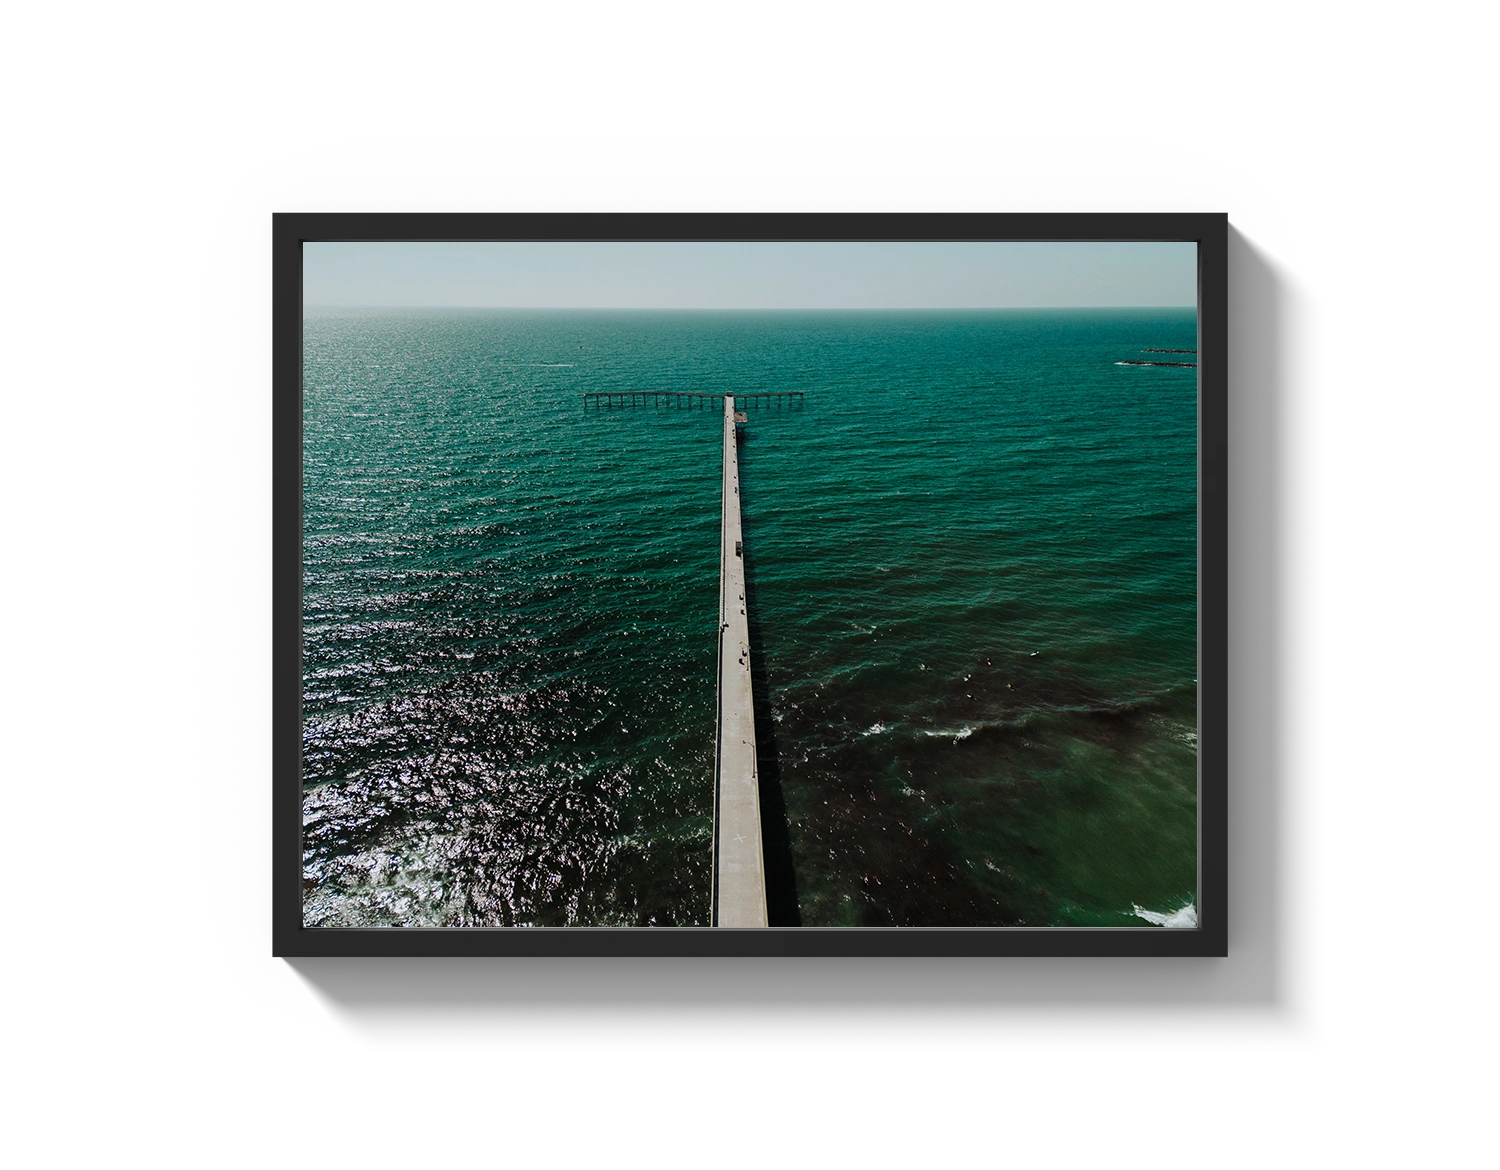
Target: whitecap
x=960, y=733
x=875, y=729
x=1186, y=918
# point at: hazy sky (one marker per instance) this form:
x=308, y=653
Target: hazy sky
x=751, y=275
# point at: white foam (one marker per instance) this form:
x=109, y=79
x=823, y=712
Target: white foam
x=875, y=729
x=1186, y=918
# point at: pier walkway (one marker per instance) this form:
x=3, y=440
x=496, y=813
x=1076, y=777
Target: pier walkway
x=739, y=876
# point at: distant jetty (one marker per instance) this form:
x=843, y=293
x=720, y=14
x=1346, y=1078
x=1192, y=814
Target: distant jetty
x=1179, y=365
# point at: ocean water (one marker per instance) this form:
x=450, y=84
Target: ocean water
x=972, y=582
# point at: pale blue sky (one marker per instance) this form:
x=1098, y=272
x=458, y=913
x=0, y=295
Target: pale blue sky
x=740, y=275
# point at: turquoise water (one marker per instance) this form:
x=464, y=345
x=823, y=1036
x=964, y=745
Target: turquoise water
x=971, y=553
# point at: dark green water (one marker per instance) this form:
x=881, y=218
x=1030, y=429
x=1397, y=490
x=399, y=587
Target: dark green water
x=972, y=583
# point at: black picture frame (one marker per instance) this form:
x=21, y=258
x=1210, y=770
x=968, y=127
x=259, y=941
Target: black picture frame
x=407, y=185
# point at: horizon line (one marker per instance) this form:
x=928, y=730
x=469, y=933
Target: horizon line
x=752, y=308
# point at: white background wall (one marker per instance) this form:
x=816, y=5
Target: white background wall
x=145, y=148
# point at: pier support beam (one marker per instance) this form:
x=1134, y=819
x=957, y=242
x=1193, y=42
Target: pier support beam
x=739, y=877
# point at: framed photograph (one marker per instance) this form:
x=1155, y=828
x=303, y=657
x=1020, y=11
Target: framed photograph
x=716, y=572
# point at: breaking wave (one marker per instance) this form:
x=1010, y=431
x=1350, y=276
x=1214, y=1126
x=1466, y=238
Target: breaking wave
x=1185, y=918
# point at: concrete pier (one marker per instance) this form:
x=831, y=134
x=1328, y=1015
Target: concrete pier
x=739, y=877
x=692, y=398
